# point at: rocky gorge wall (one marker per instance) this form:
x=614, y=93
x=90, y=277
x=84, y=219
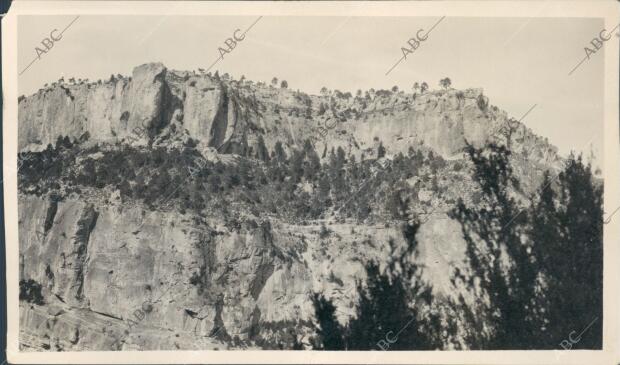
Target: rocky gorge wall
x=193, y=284
x=119, y=276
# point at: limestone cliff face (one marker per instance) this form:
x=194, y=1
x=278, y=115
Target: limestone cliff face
x=229, y=115
x=88, y=262
x=153, y=98
x=441, y=120
x=200, y=281
x=106, y=111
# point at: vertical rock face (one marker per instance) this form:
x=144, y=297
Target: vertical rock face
x=58, y=252
x=80, y=255
x=202, y=107
x=145, y=98
x=230, y=115
x=112, y=111
x=74, y=110
x=152, y=271
x=441, y=121
x=110, y=286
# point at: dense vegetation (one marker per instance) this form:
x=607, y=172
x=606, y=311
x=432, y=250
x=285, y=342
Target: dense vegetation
x=31, y=291
x=296, y=186
x=541, y=267
x=535, y=273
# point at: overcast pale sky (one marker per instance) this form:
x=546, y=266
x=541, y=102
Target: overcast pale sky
x=518, y=62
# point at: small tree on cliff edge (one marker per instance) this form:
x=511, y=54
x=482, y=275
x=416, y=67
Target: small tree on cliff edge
x=381, y=151
x=445, y=83
x=423, y=87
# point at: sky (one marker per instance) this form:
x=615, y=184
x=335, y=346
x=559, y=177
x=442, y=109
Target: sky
x=519, y=62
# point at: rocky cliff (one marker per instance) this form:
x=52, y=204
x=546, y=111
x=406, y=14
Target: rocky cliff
x=163, y=281
x=230, y=115
x=115, y=273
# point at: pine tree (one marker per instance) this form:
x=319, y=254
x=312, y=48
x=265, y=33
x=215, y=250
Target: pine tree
x=582, y=224
x=279, y=153
x=567, y=243
x=492, y=232
x=66, y=142
x=338, y=182
x=384, y=310
x=341, y=157
x=381, y=151
x=296, y=166
x=261, y=150
x=312, y=164
x=324, y=188
x=59, y=142
x=388, y=313
x=329, y=331
x=546, y=237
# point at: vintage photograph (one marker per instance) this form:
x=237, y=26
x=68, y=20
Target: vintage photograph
x=311, y=183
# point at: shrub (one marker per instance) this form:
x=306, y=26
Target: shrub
x=482, y=102
x=325, y=232
x=125, y=116
x=30, y=291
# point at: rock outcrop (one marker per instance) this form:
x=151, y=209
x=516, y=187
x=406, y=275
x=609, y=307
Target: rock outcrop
x=140, y=106
x=157, y=104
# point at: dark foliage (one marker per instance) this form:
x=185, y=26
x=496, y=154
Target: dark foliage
x=541, y=267
x=329, y=332
x=280, y=335
x=566, y=232
x=381, y=151
x=183, y=179
x=497, y=221
x=388, y=314
x=31, y=292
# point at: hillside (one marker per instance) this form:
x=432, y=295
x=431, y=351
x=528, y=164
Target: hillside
x=181, y=210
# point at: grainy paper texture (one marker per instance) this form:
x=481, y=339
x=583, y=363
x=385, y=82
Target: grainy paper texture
x=385, y=182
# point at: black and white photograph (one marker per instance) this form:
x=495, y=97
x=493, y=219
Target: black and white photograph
x=313, y=179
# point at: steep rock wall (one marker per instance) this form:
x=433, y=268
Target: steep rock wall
x=151, y=99
x=230, y=115
x=180, y=280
